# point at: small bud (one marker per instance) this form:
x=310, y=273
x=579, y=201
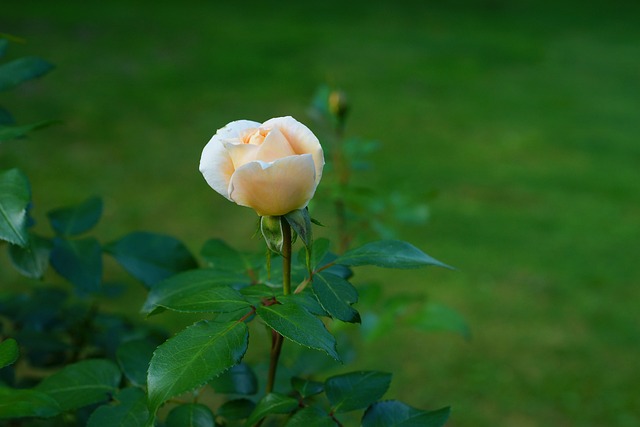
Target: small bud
x=338, y=104
x=271, y=229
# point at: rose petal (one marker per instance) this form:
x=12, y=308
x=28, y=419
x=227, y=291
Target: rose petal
x=275, y=188
x=301, y=139
x=274, y=146
x=215, y=163
x=233, y=131
x=241, y=154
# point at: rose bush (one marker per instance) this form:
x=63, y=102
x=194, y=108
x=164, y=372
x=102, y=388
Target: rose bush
x=273, y=167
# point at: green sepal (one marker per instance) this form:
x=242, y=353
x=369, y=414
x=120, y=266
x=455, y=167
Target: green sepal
x=300, y=221
x=271, y=229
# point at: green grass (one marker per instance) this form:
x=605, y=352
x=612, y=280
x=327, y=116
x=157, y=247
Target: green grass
x=522, y=115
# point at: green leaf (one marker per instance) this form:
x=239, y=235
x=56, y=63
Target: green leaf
x=272, y=403
x=220, y=256
x=151, y=257
x=240, y=379
x=307, y=388
x=197, y=291
x=388, y=254
x=320, y=249
x=236, y=409
x=190, y=415
x=306, y=300
x=82, y=383
x=297, y=324
x=78, y=261
x=22, y=69
x=77, y=219
x=193, y=357
x=336, y=296
x=20, y=403
x=438, y=317
x=300, y=221
x=356, y=390
x=134, y=357
x=10, y=131
x=32, y=260
x=8, y=352
x=311, y=416
x=128, y=410
x=15, y=195
x=395, y=413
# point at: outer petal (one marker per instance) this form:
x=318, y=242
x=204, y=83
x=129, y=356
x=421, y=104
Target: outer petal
x=301, y=139
x=215, y=164
x=275, y=188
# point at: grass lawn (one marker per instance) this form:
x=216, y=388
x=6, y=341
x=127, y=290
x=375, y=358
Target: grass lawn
x=524, y=116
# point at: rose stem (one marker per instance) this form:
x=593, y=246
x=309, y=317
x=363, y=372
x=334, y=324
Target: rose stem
x=276, y=338
x=342, y=170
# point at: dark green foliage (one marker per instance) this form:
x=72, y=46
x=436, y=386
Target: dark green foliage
x=15, y=195
x=78, y=261
x=151, y=257
x=129, y=409
x=82, y=383
x=240, y=379
x=21, y=70
x=356, y=390
x=394, y=413
x=388, y=254
x=190, y=415
x=74, y=220
x=193, y=357
x=8, y=352
x=272, y=403
x=294, y=322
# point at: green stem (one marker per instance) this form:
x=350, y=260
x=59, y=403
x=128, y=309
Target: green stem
x=276, y=338
x=286, y=256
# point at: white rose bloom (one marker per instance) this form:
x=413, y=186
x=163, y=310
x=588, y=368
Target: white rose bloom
x=273, y=167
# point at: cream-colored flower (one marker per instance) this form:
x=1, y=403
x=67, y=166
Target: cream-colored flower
x=273, y=167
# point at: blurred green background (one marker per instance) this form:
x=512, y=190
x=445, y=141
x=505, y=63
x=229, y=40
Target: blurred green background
x=524, y=116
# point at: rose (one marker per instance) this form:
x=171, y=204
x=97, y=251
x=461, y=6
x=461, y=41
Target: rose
x=273, y=167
